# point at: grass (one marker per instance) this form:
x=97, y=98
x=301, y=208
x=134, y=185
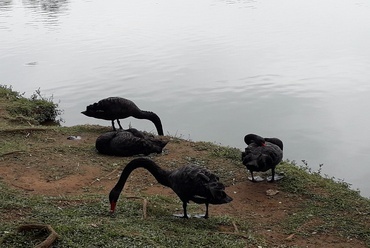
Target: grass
x=84, y=220
x=216, y=150
x=34, y=110
x=329, y=204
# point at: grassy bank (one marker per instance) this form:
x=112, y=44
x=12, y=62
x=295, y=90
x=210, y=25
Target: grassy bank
x=45, y=178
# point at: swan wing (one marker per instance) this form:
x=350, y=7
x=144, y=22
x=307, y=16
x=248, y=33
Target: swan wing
x=193, y=183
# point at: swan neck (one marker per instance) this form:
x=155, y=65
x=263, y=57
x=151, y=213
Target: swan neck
x=160, y=174
x=153, y=118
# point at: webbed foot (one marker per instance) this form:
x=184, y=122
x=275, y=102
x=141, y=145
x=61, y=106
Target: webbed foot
x=182, y=216
x=199, y=216
x=256, y=179
x=277, y=177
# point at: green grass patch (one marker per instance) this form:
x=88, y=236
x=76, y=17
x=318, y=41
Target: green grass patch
x=328, y=203
x=84, y=221
x=227, y=152
x=37, y=109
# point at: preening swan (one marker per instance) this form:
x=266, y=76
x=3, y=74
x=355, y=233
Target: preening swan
x=262, y=154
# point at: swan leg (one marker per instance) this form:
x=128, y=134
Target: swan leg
x=119, y=124
x=272, y=175
x=253, y=180
x=205, y=216
x=185, y=216
x=184, y=205
x=114, y=128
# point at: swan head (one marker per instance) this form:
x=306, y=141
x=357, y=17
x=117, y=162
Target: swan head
x=254, y=138
x=113, y=198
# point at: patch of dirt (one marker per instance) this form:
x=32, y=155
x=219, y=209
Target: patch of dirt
x=53, y=165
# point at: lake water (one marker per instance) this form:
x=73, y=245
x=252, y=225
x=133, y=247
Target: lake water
x=213, y=70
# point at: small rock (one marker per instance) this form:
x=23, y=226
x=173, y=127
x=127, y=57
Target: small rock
x=271, y=192
x=74, y=137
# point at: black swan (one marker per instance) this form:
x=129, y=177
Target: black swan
x=190, y=183
x=262, y=154
x=115, y=108
x=128, y=143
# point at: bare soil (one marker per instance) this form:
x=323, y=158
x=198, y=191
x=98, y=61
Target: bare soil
x=53, y=165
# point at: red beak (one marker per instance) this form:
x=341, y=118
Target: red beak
x=112, y=207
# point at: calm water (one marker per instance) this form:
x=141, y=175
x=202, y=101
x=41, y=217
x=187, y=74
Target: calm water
x=213, y=70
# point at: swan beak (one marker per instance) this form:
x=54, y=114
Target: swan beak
x=112, y=207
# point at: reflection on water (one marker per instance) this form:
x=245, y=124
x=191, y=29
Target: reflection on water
x=213, y=70
x=47, y=10
x=53, y=7
x=5, y=5
x=32, y=12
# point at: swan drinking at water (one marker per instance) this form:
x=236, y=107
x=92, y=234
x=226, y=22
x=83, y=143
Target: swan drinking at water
x=190, y=183
x=115, y=108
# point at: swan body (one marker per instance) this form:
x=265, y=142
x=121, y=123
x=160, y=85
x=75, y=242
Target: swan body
x=128, y=143
x=190, y=183
x=115, y=108
x=262, y=154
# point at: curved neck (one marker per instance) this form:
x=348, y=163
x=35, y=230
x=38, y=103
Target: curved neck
x=160, y=174
x=254, y=138
x=152, y=117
